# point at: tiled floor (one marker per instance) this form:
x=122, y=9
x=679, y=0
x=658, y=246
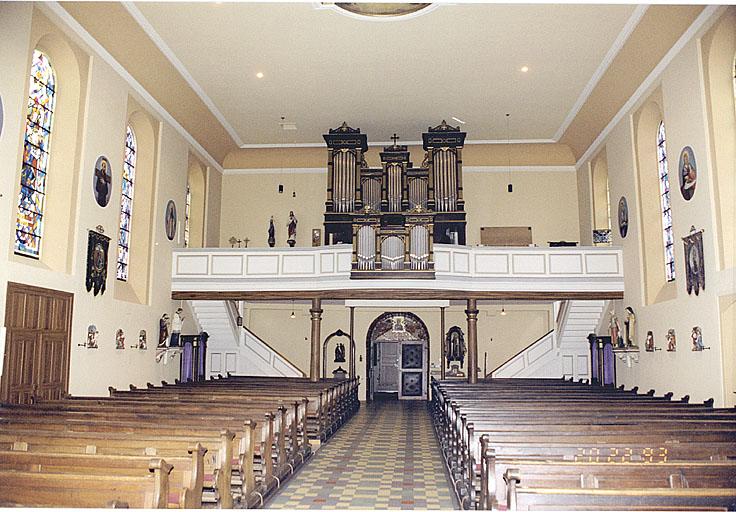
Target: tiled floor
x=385, y=457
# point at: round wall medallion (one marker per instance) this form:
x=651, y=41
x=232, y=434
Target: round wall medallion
x=688, y=172
x=102, y=181
x=170, y=220
x=623, y=217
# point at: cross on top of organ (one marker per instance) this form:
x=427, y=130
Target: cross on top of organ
x=392, y=215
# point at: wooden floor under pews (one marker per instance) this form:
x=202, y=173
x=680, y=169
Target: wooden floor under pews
x=225, y=443
x=518, y=444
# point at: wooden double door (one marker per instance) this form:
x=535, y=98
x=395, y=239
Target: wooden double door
x=37, y=344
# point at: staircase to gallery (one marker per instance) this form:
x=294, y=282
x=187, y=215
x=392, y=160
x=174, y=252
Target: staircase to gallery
x=563, y=351
x=236, y=349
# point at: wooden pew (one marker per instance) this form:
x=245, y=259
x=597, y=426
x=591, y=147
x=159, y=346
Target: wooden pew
x=74, y=490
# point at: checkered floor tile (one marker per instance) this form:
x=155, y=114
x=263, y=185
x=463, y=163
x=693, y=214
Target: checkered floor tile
x=385, y=457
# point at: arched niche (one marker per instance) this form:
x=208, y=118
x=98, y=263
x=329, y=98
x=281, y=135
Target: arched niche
x=338, y=337
x=71, y=67
x=196, y=181
x=143, y=219
x=649, y=226
x=719, y=59
x=601, y=200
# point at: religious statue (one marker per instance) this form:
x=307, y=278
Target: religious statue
x=340, y=353
x=142, y=343
x=671, y=341
x=92, y=334
x=649, y=343
x=697, y=337
x=292, y=229
x=615, y=329
x=120, y=339
x=630, y=324
x=176, y=324
x=163, y=330
x=455, y=346
x=271, y=233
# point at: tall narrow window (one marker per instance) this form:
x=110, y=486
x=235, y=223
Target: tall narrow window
x=664, y=193
x=39, y=117
x=126, y=204
x=187, y=213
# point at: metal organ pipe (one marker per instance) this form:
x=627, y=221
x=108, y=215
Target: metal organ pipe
x=419, y=254
x=366, y=248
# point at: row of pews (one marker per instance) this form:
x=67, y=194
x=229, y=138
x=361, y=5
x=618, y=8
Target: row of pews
x=222, y=443
x=539, y=444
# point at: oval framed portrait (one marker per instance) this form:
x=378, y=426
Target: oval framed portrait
x=623, y=217
x=102, y=182
x=688, y=173
x=170, y=219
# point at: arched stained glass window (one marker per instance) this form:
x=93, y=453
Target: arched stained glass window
x=187, y=213
x=39, y=117
x=126, y=204
x=664, y=193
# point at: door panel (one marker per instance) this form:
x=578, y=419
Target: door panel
x=413, y=369
x=38, y=339
x=388, y=367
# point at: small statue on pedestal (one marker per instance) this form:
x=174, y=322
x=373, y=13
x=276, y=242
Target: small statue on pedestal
x=271, y=233
x=340, y=353
x=615, y=329
x=630, y=324
x=292, y=229
x=163, y=330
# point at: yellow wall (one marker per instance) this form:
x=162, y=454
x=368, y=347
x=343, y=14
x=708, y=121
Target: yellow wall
x=105, y=101
x=499, y=337
x=544, y=200
x=677, y=94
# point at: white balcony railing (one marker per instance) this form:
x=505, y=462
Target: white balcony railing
x=597, y=269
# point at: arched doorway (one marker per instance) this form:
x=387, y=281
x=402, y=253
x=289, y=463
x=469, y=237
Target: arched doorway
x=398, y=349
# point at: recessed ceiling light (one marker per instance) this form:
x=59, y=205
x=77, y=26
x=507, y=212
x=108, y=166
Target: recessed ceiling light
x=524, y=69
x=259, y=75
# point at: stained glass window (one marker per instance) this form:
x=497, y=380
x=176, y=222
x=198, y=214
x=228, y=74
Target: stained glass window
x=187, y=212
x=126, y=204
x=664, y=193
x=39, y=117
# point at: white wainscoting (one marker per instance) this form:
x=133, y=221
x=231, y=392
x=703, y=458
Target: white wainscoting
x=597, y=269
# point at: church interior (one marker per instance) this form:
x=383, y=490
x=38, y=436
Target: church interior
x=318, y=255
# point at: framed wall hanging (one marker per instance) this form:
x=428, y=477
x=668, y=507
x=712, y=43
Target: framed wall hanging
x=694, y=261
x=170, y=220
x=102, y=181
x=97, y=247
x=623, y=217
x=688, y=172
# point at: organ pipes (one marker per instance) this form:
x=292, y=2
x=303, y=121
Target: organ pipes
x=395, y=189
x=445, y=179
x=418, y=193
x=344, y=165
x=419, y=248
x=366, y=248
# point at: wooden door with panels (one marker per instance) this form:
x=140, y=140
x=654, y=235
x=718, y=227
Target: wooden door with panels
x=37, y=344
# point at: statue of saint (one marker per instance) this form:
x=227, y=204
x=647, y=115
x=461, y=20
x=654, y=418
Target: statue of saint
x=176, y=324
x=455, y=346
x=292, y=230
x=697, y=337
x=271, y=233
x=340, y=353
x=163, y=330
x=630, y=324
x=615, y=329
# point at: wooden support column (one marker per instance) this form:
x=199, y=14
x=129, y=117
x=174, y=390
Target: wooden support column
x=444, y=347
x=316, y=312
x=472, y=314
x=352, y=342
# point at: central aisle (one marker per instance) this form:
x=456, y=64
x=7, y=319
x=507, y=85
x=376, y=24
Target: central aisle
x=386, y=456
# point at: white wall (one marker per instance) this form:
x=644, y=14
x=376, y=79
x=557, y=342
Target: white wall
x=105, y=111
x=699, y=374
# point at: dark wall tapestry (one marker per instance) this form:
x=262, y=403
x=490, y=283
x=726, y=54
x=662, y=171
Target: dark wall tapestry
x=97, y=246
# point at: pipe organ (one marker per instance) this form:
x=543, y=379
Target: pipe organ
x=392, y=215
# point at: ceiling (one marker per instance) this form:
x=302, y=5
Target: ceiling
x=321, y=67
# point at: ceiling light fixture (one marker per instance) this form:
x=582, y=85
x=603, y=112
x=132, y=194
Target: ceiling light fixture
x=292, y=315
x=510, y=186
x=259, y=75
x=458, y=120
x=503, y=311
x=524, y=69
